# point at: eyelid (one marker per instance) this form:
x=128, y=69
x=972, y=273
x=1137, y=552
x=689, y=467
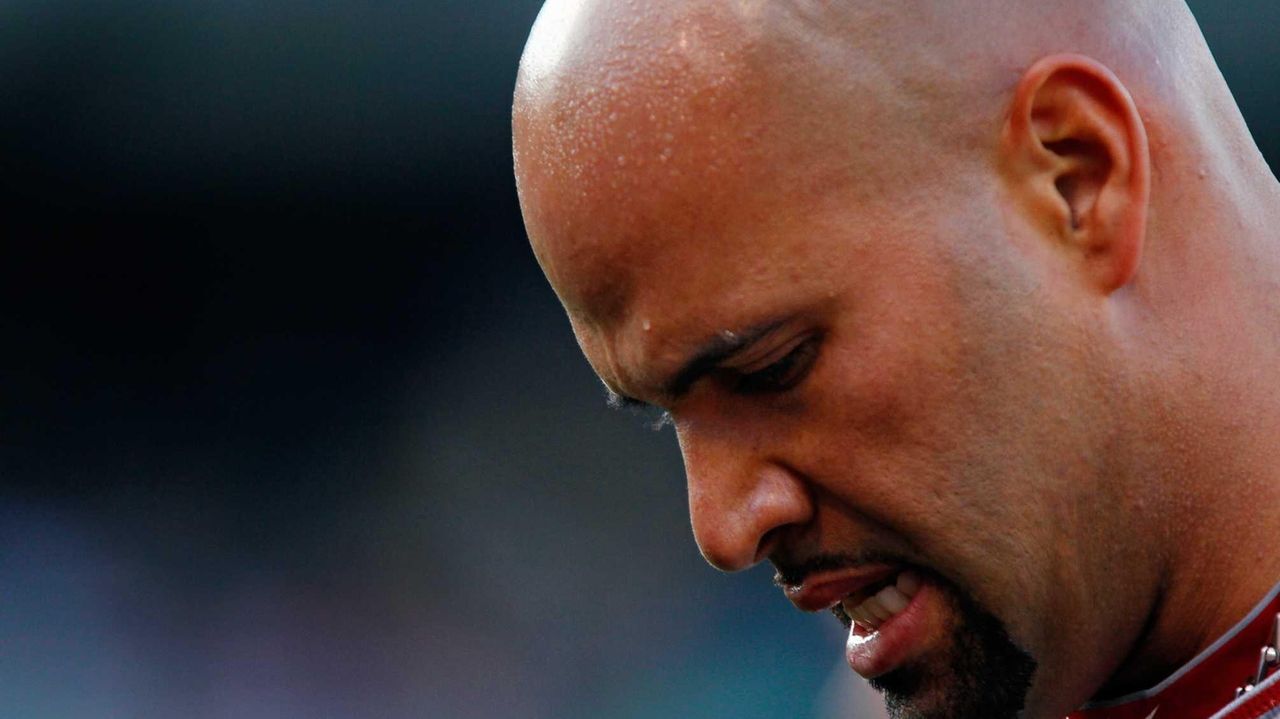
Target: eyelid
x=784, y=373
x=752, y=362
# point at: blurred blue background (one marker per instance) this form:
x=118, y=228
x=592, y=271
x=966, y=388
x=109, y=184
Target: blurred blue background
x=290, y=424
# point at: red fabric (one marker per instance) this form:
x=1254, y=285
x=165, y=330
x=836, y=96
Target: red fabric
x=1208, y=686
x=1256, y=704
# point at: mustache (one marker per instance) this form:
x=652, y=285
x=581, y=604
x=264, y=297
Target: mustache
x=791, y=572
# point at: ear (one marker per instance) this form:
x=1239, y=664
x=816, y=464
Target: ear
x=1075, y=156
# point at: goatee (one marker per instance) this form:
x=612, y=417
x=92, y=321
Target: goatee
x=985, y=676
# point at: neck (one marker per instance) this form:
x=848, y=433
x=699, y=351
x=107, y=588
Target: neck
x=1210, y=424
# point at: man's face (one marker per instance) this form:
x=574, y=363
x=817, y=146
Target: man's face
x=873, y=384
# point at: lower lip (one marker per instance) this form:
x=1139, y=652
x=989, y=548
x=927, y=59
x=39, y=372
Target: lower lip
x=897, y=641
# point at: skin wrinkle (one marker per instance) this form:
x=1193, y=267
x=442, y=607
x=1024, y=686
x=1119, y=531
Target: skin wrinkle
x=987, y=402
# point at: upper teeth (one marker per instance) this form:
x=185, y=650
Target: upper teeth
x=888, y=602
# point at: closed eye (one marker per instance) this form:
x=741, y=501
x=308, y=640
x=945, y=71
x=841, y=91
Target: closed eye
x=779, y=376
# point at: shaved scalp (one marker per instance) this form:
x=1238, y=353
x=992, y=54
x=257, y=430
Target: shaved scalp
x=944, y=61
x=645, y=100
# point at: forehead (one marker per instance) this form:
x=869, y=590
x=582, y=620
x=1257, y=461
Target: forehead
x=669, y=176
x=610, y=155
x=675, y=184
x=770, y=262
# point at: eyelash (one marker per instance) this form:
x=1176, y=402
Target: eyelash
x=782, y=375
x=664, y=419
x=655, y=418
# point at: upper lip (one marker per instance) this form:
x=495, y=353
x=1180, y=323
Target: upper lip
x=824, y=590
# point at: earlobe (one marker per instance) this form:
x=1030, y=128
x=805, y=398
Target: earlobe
x=1075, y=155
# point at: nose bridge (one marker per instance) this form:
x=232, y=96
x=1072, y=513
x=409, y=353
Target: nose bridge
x=739, y=492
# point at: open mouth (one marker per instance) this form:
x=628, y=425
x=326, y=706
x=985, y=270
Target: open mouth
x=893, y=611
x=864, y=611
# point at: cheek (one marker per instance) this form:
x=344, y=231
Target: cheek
x=909, y=448
x=907, y=430
x=887, y=414
x=896, y=372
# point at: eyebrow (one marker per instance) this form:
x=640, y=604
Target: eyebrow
x=704, y=360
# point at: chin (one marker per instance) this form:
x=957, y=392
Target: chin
x=981, y=674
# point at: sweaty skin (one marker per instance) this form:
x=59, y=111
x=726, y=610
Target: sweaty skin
x=1009, y=269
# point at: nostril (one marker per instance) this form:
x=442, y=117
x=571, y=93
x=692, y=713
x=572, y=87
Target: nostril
x=768, y=543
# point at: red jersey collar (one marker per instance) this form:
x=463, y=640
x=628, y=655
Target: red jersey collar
x=1207, y=683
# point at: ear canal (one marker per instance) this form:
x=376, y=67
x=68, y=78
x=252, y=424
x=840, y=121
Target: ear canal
x=1067, y=186
x=1085, y=170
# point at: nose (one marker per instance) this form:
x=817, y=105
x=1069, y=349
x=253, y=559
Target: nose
x=740, y=499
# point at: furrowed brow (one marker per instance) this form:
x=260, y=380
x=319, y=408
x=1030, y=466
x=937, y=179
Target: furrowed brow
x=723, y=347
x=707, y=358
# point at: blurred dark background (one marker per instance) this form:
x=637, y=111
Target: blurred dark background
x=291, y=426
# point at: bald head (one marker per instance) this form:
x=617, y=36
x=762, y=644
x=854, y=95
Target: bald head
x=623, y=109
x=954, y=288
